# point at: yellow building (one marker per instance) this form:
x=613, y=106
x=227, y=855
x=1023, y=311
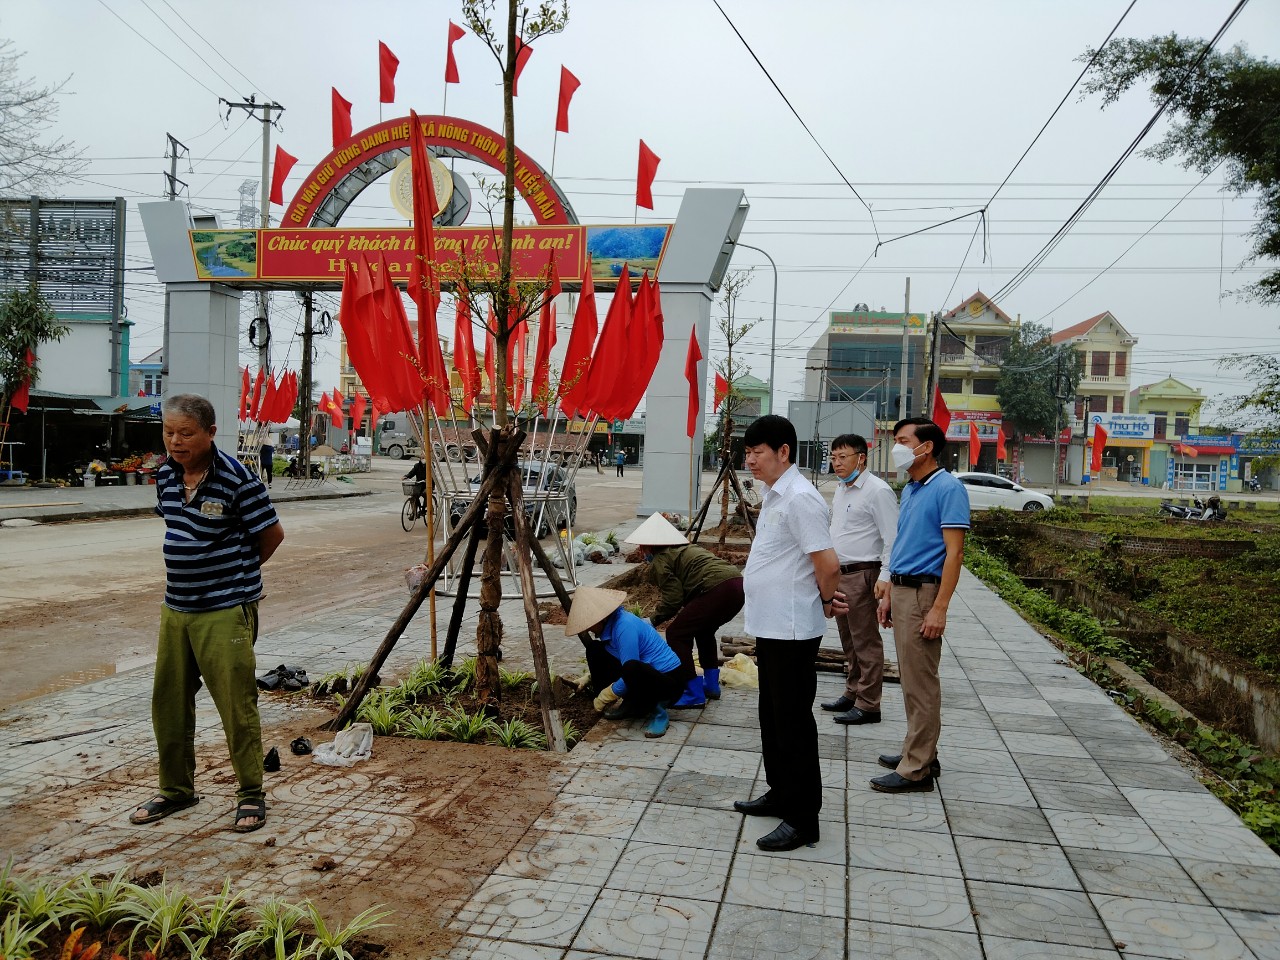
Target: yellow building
x=1175, y=406
x=974, y=339
x=1106, y=348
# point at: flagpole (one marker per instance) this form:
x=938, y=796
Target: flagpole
x=555, y=137
x=692, y=480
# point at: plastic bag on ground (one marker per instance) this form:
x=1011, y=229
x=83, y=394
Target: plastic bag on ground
x=741, y=672
x=413, y=575
x=348, y=748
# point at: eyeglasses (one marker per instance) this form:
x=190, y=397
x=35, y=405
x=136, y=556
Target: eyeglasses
x=845, y=456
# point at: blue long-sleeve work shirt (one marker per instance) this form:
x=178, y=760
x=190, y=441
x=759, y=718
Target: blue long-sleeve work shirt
x=628, y=638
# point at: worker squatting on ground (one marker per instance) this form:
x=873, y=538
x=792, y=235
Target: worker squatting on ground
x=633, y=671
x=700, y=591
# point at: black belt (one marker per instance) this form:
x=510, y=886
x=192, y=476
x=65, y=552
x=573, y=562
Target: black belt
x=860, y=565
x=914, y=580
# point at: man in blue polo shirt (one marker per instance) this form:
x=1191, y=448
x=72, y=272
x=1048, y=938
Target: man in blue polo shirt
x=924, y=569
x=220, y=527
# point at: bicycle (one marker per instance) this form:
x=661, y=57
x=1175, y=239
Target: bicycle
x=414, y=507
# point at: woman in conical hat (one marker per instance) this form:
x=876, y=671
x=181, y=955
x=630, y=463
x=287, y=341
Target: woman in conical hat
x=700, y=594
x=635, y=673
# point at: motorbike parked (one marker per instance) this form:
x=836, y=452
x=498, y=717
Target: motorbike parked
x=1201, y=510
x=1255, y=485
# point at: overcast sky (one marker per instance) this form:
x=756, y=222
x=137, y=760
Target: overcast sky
x=924, y=107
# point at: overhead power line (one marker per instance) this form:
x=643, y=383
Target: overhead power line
x=144, y=39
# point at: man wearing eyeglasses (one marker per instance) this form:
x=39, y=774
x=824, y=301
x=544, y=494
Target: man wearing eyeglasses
x=864, y=522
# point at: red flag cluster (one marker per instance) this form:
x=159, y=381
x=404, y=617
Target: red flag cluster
x=265, y=398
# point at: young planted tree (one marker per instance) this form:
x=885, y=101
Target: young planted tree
x=512, y=302
x=735, y=282
x=26, y=321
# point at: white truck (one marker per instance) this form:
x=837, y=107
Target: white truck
x=394, y=440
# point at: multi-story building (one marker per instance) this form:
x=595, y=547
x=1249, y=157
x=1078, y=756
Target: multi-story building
x=145, y=376
x=971, y=344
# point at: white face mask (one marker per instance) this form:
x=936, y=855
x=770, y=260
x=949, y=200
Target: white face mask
x=903, y=456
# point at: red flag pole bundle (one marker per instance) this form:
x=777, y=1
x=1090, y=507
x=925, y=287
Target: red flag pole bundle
x=691, y=360
x=464, y=351
x=577, y=357
x=610, y=359
x=540, y=391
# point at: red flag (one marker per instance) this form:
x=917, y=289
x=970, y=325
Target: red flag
x=569, y=85
x=280, y=172
x=424, y=286
x=644, y=346
x=516, y=348
x=464, y=353
x=287, y=396
x=540, y=390
x=1002, y=451
x=388, y=63
x=721, y=391
x=975, y=443
x=456, y=33
x=335, y=410
x=341, y=118
x=257, y=396
x=491, y=355
x=940, y=414
x=523, y=53
x=399, y=351
x=373, y=418
x=648, y=169
x=577, y=357
x=356, y=315
x=266, y=412
x=695, y=383
x=357, y=412
x=1100, y=436
x=244, y=394
x=22, y=396
x=610, y=359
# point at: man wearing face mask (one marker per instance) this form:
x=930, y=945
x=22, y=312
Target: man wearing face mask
x=924, y=569
x=864, y=523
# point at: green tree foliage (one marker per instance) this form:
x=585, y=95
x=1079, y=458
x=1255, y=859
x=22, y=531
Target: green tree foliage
x=1223, y=111
x=1036, y=379
x=1258, y=411
x=26, y=321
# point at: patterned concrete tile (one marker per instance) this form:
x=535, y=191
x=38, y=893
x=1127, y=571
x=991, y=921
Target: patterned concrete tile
x=1165, y=775
x=912, y=851
x=830, y=847
x=555, y=855
x=1180, y=806
x=1171, y=931
x=908, y=811
x=1043, y=916
x=535, y=911
x=889, y=941
x=936, y=903
x=724, y=763
x=1048, y=745
x=690, y=827
x=685, y=872
x=750, y=933
x=724, y=737
x=1025, y=864
x=1081, y=797
x=645, y=925
x=621, y=783
x=596, y=816
x=1040, y=767
x=702, y=790
x=647, y=753
x=1029, y=705
x=981, y=788
x=1003, y=948
x=1259, y=931
x=1121, y=874
x=1103, y=832
x=998, y=821
x=1030, y=723
x=1118, y=727
x=478, y=948
x=798, y=886
x=1089, y=694
x=1018, y=690
x=1205, y=841
x=960, y=717
x=1237, y=886
x=1128, y=751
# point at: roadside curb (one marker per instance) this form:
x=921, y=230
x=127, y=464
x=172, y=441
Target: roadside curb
x=124, y=512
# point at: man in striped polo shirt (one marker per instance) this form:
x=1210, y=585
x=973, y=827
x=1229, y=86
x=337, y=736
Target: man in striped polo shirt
x=220, y=528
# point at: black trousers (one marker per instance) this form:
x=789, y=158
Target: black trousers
x=700, y=618
x=645, y=685
x=788, y=730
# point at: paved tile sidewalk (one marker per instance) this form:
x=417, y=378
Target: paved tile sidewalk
x=1059, y=829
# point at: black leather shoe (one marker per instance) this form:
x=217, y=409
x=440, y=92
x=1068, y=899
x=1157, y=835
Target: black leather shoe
x=786, y=837
x=891, y=760
x=840, y=705
x=759, y=807
x=858, y=716
x=895, y=783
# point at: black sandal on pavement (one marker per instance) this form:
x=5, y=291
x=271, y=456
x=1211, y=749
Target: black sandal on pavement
x=249, y=808
x=159, y=808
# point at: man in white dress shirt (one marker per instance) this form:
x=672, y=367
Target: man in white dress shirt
x=790, y=585
x=864, y=522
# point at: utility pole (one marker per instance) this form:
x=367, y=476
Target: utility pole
x=171, y=178
x=250, y=106
x=304, y=428
x=935, y=344
x=902, y=373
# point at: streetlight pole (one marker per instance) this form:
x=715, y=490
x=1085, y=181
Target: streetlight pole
x=773, y=336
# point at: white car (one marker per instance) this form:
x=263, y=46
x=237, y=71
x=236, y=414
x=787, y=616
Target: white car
x=986, y=490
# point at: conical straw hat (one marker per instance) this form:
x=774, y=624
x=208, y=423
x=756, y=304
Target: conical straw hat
x=657, y=531
x=590, y=606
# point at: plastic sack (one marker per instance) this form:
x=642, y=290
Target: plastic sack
x=740, y=672
x=413, y=575
x=348, y=748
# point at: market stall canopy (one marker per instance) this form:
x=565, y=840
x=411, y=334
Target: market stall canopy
x=94, y=406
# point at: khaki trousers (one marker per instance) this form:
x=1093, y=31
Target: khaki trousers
x=860, y=639
x=918, y=665
x=217, y=647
